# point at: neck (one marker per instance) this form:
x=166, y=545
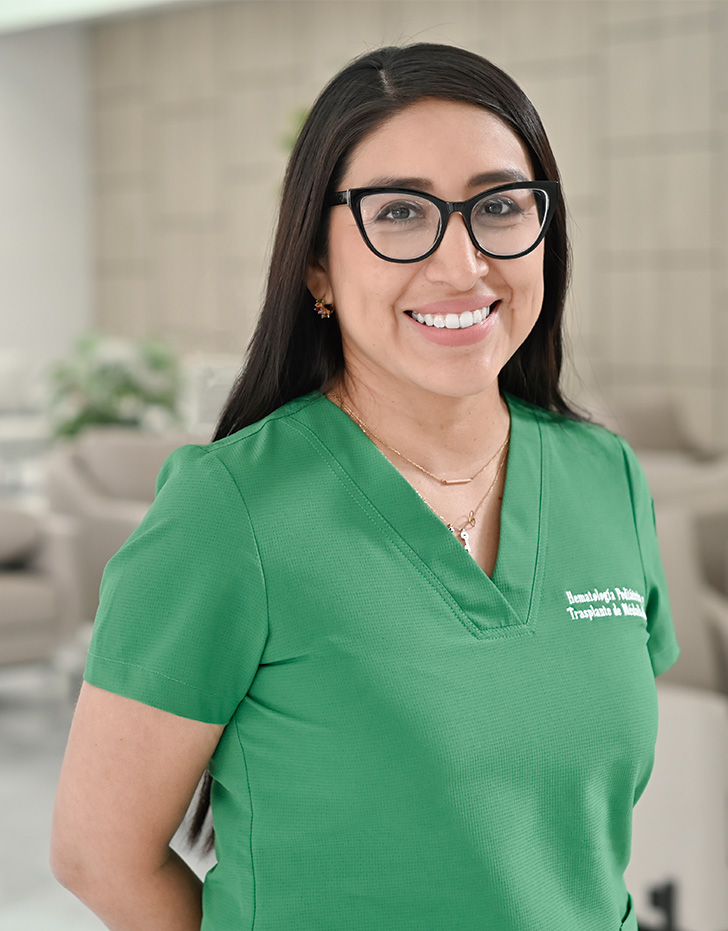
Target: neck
x=449, y=436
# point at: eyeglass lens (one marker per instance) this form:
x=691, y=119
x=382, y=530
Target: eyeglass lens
x=405, y=226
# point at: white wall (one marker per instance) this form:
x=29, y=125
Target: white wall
x=46, y=268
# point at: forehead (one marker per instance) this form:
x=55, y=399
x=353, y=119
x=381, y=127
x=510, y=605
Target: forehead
x=441, y=142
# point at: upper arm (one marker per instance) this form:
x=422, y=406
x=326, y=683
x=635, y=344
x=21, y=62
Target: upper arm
x=128, y=776
x=181, y=626
x=183, y=615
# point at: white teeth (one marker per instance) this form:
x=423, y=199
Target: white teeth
x=454, y=321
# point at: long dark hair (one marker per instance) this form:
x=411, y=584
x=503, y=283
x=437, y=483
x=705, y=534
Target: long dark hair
x=291, y=353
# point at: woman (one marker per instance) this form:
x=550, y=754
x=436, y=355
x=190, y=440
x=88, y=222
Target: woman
x=407, y=607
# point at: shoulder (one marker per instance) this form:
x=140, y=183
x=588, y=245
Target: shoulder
x=577, y=446
x=270, y=446
x=277, y=423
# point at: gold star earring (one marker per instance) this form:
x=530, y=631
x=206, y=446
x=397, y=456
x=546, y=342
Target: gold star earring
x=323, y=310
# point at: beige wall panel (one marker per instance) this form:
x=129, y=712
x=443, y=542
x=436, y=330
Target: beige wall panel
x=122, y=306
x=683, y=89
x=117, y=55
x=720, y=329
x=634, y=11
x=186, y=287
x=186, y=174
x=628, y=88
x=684, y=323
x=687, y=191
x=583, y=309
x=120, y=138
x=339, y=30
x=659, y=84
x=565, y=102
x=660, y=202
x=450, y=22
x=261, y=37
x=241, y=302
x=122, y=228
x=546, y=30
x=185, y=340
x=182, y=55
x=633, y=192
x=257, y=121
x=720, y=61
x=487, y=33
x=719, y=310
x=631, y=319
x=250, y=212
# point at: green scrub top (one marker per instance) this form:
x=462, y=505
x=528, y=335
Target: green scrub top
x=410, y=745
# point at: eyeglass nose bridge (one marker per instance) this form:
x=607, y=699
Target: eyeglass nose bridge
x=447, y=208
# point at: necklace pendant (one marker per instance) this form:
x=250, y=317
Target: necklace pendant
x=463, y=534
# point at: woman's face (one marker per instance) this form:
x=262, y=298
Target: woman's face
x=446, y=149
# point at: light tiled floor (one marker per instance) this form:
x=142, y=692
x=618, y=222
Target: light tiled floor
x=35, y=715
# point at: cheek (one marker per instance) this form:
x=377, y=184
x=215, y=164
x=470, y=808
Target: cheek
x=529, y=283
x=365, y=286
x=350, y=273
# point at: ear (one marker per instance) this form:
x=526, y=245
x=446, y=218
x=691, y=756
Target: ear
x=317, y=281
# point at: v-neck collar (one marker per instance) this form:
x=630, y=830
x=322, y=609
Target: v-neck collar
x=501, y=603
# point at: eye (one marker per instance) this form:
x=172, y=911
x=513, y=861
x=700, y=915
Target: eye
x=498, y=207
x=399, y=212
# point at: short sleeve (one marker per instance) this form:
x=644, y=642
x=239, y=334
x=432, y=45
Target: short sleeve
x=182, y=618
x=662, y=643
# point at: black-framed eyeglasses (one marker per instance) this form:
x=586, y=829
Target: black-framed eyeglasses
x=400, y=225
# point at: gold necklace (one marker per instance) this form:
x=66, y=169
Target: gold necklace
x=443, y=481
x=462, y=532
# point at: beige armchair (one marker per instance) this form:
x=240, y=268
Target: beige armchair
x=105, y=480
x=39, y=605
x=689, y=483
x=700, y=611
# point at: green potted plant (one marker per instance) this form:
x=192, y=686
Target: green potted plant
x=112, y=381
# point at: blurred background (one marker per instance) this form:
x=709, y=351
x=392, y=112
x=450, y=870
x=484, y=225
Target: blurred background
x=142, y=148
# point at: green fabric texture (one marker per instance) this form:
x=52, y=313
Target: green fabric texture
x=410, y=745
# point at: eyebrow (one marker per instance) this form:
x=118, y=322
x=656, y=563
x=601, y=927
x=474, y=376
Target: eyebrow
x=502, y=176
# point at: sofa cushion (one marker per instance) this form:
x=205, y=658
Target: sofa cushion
x=124, y=462
x=20, y=534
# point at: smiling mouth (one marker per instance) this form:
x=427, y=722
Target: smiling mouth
x=454, y=321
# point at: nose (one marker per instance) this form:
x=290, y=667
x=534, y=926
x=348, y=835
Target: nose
x=456, y=260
